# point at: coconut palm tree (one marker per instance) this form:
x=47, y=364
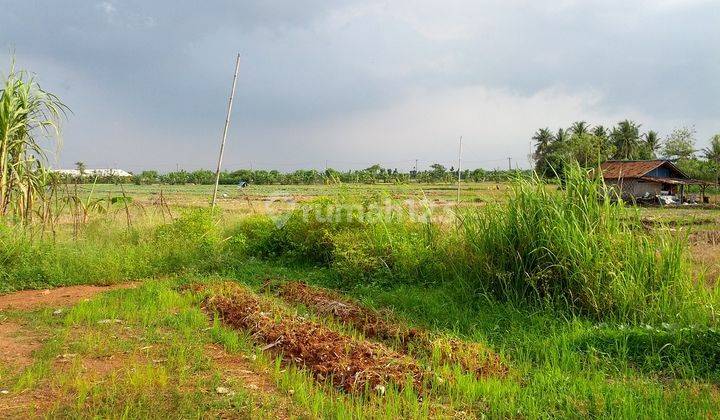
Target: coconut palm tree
x=600, y=132
x=542, y=138
x=561, y=136
x=27, y=114
x=712, y=153
x=579, y=128
x=652, y=143
x=626, y=138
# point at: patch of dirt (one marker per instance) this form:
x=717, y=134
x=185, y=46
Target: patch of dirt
x=705, y=237
x=62, y=296
x=350, y=364
x=27, y=405
x=698, y=221
x=238, y=367
x=472, y=357
x=93, y=367
x=17, y=345
x=706, y=262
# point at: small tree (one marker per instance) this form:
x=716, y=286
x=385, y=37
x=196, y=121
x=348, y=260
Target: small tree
x=80, y=167
x=680, y=144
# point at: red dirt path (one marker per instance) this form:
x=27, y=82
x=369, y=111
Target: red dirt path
x=62, y=296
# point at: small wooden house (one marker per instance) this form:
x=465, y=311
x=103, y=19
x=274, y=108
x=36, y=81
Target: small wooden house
x=647, y=178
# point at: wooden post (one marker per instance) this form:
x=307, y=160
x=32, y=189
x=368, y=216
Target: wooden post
x=459, y=170
x=224, y=136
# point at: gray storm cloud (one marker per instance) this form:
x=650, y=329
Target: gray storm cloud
x=355, y=83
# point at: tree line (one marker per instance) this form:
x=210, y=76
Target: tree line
x=436, y=173
x=590, y=146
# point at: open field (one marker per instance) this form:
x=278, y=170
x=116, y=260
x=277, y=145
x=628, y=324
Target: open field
x=273, y=307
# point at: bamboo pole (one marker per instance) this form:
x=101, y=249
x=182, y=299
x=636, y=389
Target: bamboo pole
x=459, y=170
x=225, y=130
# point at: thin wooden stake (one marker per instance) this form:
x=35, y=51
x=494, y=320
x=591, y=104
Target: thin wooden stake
x=127, y=209
x=225, y=130
x=459, y=169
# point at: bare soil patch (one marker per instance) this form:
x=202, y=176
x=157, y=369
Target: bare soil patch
x=350, y=364
x=705, y=237
x=26, y=405
x=238, y=367
x=62, y=296
x=17, y=344
x=474, y=358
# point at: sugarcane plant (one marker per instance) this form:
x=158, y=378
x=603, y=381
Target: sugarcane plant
x=29, y=118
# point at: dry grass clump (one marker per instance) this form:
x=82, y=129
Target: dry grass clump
x=474, y=358
x=350, y=364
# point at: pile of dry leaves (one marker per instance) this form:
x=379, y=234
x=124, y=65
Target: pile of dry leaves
x=351, y=364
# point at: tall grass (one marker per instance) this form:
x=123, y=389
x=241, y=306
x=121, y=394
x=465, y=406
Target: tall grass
x=106, y=254
x=578, y=248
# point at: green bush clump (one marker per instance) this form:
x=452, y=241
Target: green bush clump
x=685, y=352
x=191, y=241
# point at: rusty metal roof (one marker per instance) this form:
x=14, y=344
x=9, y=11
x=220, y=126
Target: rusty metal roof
x=614, y=169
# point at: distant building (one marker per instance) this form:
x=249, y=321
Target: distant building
x=94, y=172
x=647, y=179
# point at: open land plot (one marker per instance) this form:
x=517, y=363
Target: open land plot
x=163, y=347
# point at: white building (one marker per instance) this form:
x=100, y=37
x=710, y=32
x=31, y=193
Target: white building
x=94, y=172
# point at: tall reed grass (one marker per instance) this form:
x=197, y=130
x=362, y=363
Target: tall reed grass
x=581, y=249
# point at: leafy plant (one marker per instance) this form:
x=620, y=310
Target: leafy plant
x=27, y=113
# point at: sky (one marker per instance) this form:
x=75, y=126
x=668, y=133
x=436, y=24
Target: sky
x=351, y=83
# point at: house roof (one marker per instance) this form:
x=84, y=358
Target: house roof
x=614, y=169
x=676, y=181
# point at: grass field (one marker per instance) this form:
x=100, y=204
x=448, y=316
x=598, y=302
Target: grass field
x=524, y=302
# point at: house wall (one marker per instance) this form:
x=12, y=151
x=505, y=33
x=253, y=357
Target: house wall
x=660, y=172
x=634, y=187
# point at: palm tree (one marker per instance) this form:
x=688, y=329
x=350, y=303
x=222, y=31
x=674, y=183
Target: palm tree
x=626, y=138
x=600, y=132
x=712, y=153
x=80, y=167
x=26, y=113
x=580, y=128
x=652, y=143
x=561, y=136
x=543, y=137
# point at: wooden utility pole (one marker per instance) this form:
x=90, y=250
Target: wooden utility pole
x=459, y=169
x=509, y=164
x=225, y=130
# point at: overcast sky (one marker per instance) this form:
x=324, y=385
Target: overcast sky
x=356, y=82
